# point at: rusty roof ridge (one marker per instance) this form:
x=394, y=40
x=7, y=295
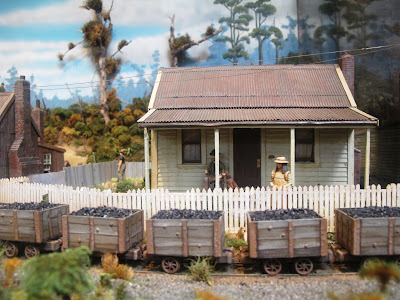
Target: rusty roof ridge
x=251, y=107
x=250, y=96
x=254, y=67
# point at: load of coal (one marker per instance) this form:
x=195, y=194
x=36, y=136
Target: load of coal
x=28, y=206
x=188, y=214
x=284, y=214
x=104, y=212
x=372, y=212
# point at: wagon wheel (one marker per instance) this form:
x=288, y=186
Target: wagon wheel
x=170, y=265
x=31, y=251
x=303, y=266
x=11, y=249
x=366, y=260
x=397, y=261
x=272, y=266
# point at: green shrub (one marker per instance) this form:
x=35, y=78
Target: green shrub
x=201, y=269
x=235, y=243
x=124, y=139
x=119, y=130
x=77, y=143
x=58, y=274
x=124, y=186
x=80, y=126
x=138, y=183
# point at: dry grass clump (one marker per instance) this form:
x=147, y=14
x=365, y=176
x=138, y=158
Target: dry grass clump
x=208, y=295
x=382, y=271
x=10, y=267
x=110, y=265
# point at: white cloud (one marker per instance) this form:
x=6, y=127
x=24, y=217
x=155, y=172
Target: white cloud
x=141, y=49
x=36, y=52
x=125, y=12
x=64, y=12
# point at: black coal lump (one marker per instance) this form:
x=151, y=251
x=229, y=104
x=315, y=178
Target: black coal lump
x=28, y=206
x=104, y=212
x=188, y=214
x=372, y=212
x=284, y=214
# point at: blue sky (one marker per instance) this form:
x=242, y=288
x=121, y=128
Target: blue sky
x=32, y=32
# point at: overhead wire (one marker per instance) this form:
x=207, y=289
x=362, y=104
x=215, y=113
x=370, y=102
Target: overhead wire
x=90, y=84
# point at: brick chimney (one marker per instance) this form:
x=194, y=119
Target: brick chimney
x=23, y=154
x=22, y=108
x=38, y=118
x=346, y=63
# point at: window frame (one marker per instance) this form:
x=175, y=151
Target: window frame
x=46, y=162
x=179, y=151
x=315, y=149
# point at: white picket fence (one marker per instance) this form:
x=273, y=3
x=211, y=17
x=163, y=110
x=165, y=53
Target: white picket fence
x=234, y=203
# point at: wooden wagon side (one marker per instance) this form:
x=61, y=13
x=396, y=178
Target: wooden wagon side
x=32, y=226
x=116, y=235
x=368, y=236
x=287, y=238
x=184, y=238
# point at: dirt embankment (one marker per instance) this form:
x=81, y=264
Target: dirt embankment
x=75, y=154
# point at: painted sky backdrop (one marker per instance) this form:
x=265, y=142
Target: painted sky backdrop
x=33, y=32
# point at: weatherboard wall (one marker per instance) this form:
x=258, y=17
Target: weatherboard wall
x=330, y=167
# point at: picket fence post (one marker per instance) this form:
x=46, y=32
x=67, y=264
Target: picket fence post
x=235, y=203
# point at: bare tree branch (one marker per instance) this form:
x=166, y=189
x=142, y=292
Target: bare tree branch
x=195, y=43
x=175, y=52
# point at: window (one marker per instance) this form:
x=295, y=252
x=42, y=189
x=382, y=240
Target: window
x=47, y=162
x=191, y=146
x=305, y=145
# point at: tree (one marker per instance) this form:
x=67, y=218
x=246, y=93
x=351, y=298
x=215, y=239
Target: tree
x=236, y=22
x=335, y=31
x=178, y=46
x=2, y=89
x=277, y=40
x=12, y=79
x=97, y=35
x=261, y=12
x=359, y=22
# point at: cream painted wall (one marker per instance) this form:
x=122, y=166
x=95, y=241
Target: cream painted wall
x=330, y=168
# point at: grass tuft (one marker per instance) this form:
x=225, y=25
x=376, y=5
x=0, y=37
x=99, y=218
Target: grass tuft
x=201, y=269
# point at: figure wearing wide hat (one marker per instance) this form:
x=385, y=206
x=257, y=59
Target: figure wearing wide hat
x=280, y=177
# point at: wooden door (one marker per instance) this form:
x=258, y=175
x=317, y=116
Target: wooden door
x=247, y=157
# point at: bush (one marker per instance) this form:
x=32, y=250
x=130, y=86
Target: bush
x=201, y=269
x=124, y=140
x=119, y=130
x=51, y=135
x=124, y=186
x=138, y=183
x=80, y=126
x=58, y=274
x=77, y=143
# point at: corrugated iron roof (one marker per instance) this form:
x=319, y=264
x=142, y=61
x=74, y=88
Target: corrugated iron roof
x=5, y=99
x=252, y=95
x=251, y=86
x=247, y=116
x=4, y=96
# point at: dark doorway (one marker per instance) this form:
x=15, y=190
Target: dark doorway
x=247, y=157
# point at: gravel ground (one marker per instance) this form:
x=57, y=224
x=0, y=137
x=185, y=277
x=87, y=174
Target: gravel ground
x=164, y=286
